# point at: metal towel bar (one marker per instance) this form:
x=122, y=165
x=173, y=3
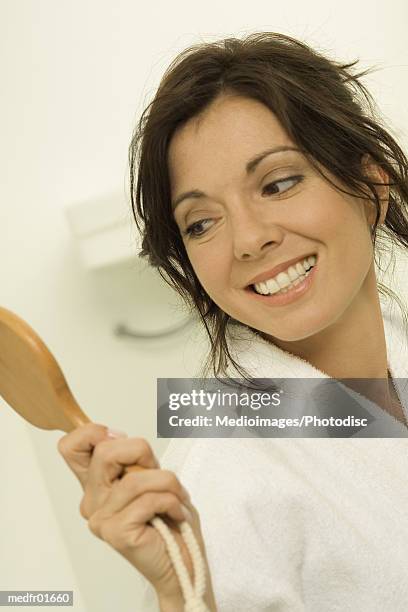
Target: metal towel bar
x=123, y=330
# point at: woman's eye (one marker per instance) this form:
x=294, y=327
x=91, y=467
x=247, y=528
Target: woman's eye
x=191, y=229
x=194, y=231
x=270, y=187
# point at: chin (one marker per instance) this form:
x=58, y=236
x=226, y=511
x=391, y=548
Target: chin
x=285, y=338
x=292, y=334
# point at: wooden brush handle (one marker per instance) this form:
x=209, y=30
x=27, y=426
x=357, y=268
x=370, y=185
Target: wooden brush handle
x=31, y=381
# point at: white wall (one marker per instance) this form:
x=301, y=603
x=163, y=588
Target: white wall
x=33, y=553
x=75, y=75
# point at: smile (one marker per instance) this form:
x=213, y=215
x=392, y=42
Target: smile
x=287, y=286
x=293, y=275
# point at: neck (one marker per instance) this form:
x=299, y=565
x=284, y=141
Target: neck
x=353, y=347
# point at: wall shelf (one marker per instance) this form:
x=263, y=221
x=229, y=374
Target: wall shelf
x=104, y=230
x=105, y=234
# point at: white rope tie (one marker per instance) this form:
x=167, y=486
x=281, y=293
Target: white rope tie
x=193, y=594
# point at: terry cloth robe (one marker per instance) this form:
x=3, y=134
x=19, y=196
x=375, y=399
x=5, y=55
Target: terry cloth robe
x=301, y=524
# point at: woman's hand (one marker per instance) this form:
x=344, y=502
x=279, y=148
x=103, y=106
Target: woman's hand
x=118, y=507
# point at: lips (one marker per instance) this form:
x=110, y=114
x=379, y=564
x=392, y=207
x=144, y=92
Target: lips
x=279, y=268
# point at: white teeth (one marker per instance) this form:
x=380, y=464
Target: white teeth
x=263, y=288
x=283, y=280
x=271, y=286
x=296, y=282
x=299, y=268
x=292, y=276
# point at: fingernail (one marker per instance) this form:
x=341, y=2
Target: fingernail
x=187, y=514
x=115, y=433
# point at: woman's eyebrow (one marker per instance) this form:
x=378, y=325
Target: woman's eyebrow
x=249, y=167
x=252, y=164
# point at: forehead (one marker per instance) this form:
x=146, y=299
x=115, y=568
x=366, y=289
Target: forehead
x=231, y=130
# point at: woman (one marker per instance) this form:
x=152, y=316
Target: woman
x=258, y=156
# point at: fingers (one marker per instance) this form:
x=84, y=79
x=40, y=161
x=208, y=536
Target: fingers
x=136, y=484
x=77, y=447
x=97, y=460
x=125, y=528
x=109, y=458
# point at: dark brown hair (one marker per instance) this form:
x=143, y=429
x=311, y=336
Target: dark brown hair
x=324, y=109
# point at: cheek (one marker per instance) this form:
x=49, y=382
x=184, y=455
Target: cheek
x=321, y=216
x=211, y=265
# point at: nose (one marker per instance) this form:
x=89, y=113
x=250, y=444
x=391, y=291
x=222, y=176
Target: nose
x=252, y=235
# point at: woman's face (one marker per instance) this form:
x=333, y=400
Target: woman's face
x=241, y=221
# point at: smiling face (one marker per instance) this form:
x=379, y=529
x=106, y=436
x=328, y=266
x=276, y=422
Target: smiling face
x=246, y=215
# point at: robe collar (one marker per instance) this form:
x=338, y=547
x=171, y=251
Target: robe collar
x=263, y=359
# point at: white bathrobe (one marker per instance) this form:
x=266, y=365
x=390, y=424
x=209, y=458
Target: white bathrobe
x=302, y=524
